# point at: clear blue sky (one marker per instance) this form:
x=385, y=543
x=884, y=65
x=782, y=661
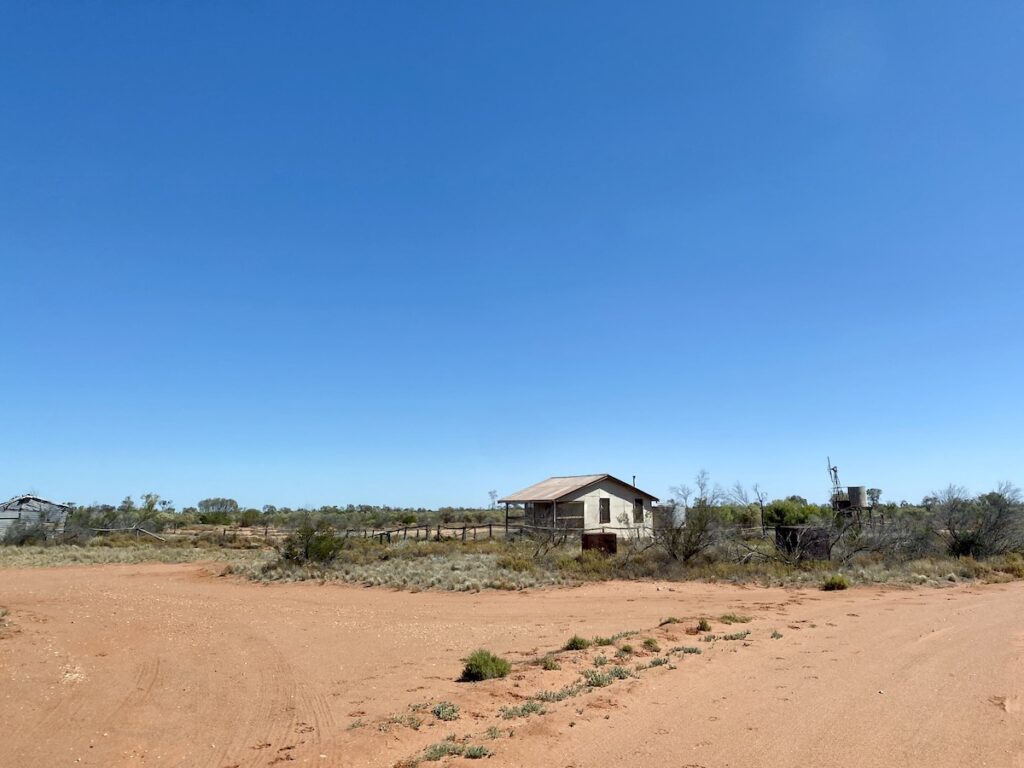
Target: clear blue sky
x=308, y=253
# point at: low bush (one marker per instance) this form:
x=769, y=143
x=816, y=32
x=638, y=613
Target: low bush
x=516, y=562
x=658, y=661
x=550, y=663
x=703, y=625
x=589, y=565
x=409, y=721
x=732, y=618
x=445, y=710
x=576, y=643
x=530, y=707
x=669, y=620
x=317, y=544
x=484, y=665
x=737, y=635
x=596, y=679
x=442, y=750
x=835, y=582
x=652, y=645
x=573, y=689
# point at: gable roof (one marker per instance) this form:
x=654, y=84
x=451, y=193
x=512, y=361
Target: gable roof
x=558, y=488
x=28, y=501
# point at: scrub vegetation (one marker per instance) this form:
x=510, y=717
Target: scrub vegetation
x=704, y=534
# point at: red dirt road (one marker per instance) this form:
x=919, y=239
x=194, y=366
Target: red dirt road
x=170, y=665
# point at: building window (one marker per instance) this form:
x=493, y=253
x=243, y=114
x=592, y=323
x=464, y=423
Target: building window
x=605, y=507
x=638, y=510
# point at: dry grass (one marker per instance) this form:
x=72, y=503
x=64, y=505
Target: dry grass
x=496, y=564
x=48, y=557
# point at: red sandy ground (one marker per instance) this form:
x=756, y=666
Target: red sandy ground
x=172, y=665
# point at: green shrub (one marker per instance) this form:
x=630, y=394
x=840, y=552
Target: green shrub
x=441, y=750
x=1011, y=565
x=476, y=752
x=626, y=648
x=737, y=635
x=600, y=661
x=687, y=649
x=550, y=663
x=484, y=665
x=531, y=707
x=776, y=634
x=619, y=673
x=732, y=618
x=573, y=689
x=445, y=710
x=317, y=544
x=516, y=562
x=652, y=645
x=604, y=640
x=703, y=625
x=576, y=643
x=669, y=620
x=596, y=679
x=835, y=582
x=590, y=565
x=658, y=661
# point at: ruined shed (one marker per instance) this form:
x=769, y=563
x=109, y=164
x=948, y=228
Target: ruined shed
x=29, y=510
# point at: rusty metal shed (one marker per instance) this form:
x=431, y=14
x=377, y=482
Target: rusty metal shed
x=30, y=510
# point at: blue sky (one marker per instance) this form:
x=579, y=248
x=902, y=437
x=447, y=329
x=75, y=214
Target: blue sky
x=406, y=253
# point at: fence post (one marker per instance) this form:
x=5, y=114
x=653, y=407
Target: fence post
x=463, y=532
x=490, y=530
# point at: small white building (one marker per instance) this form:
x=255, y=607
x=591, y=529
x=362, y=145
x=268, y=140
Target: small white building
x=585, y=503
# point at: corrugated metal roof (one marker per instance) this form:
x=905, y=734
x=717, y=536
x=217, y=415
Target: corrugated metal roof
x=28, y=508
x=556, y=488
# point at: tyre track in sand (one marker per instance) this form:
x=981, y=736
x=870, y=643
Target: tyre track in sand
x=168, y=665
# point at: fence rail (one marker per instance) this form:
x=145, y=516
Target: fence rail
x=265, y=535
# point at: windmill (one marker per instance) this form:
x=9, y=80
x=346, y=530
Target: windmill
x=846, y=500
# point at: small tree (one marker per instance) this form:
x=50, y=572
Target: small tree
x=312, y=543
x=991, y=524
x=691, y=529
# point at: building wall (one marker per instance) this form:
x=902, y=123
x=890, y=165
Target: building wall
x=621, y=502
x=30, y=511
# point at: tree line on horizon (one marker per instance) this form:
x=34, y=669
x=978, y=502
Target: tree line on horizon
x=693, y=520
